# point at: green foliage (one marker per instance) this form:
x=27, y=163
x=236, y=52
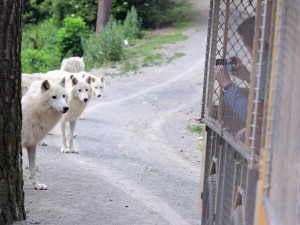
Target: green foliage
x=69, y=37
x=35, y=11
x=40, y=37
x=200, y=130
x=145, y=47
x=87, y=10
x=108, y=46
x=132, y=25
x=154, y=13
x=196, y=129
x=34, y=61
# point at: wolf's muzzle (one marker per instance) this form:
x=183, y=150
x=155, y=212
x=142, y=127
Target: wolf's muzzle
x=66, y=108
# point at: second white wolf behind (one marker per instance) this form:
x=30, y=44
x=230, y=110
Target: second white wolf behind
x=73, y=65
x=80, y=93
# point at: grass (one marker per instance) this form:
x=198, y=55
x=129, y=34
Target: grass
x=152, y=59
x=196, y=129
x=146, y=52
x=200, y=130
x=36, y=168
x=130, y=157
x=151, y=169
x=175, y=56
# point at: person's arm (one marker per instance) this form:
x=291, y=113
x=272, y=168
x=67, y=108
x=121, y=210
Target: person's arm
x=234, y=98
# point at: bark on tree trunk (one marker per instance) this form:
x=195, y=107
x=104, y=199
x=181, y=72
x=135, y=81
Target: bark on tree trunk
x=103, y=14
x=11, y=174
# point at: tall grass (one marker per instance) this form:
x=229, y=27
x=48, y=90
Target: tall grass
x=108, y=46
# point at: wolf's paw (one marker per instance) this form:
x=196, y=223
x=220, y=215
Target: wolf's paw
x=66, y=150
x=75, y=151
x=40, y=187
x=42, y=143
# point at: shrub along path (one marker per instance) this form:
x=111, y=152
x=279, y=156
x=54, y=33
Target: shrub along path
x=138, y=163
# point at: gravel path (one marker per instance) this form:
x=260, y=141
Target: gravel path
x=137, y=164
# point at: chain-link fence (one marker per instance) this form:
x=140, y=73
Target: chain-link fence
x=236, y=65
x=252, y=110
x=236, y=78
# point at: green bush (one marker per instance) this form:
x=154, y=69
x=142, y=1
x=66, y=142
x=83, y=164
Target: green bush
x=132, y=25
x=87, y=10
x=34, y=61
x=154, y=13
x=69, y=37
x=108, y=46
x=42, y=38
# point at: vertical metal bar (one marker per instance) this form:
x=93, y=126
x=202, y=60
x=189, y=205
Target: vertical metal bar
x=224, y=149
x=268, y=145
x=220, y=108
x=213, y=56
x=253, y=71
x=257, y=87
x=206, y=58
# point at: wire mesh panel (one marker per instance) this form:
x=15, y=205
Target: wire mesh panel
x=229, y=64
x=282, y=192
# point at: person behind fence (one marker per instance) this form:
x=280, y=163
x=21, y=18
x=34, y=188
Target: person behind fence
x=232, y=94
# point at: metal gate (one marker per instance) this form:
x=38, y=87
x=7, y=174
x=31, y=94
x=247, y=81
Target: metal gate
x=240, y=35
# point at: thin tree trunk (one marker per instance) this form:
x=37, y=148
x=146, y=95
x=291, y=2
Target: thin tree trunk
x=103, y=14
x=11, y=174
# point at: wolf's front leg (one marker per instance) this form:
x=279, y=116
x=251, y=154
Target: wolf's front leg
x=64, y=147
x=31, y=152
x=72, y=130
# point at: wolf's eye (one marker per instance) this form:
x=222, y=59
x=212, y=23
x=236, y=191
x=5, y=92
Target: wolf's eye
x=87, y=89
x=79, y=90
x=54, y=97
x=96, y=87
x=64, y=96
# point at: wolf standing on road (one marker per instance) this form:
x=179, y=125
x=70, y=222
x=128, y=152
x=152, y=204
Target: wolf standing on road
x=42, y=108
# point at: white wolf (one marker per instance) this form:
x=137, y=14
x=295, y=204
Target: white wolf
x=28, y=79
x=80, y=92
x=73, y=65
x=42, y=108
x=98, y=83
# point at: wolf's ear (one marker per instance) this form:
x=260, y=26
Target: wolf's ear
x=93, y=79
x=74, y=81
x=83, y=75
x=88, y=80
x=71, y=76
x=45, y=85
x=63, y=82
x=102, y=79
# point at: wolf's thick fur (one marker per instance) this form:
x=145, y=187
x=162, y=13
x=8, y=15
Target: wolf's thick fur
x=98, y=83
x=73, y=65
x=28, y=79
x=42, y=108
x=80, y=92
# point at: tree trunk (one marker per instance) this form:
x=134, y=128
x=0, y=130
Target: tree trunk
x=11, y=174
x=103, y=14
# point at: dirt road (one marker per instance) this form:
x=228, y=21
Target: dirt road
x=137, y=164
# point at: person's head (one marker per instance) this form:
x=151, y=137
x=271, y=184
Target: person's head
x=246, y=32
